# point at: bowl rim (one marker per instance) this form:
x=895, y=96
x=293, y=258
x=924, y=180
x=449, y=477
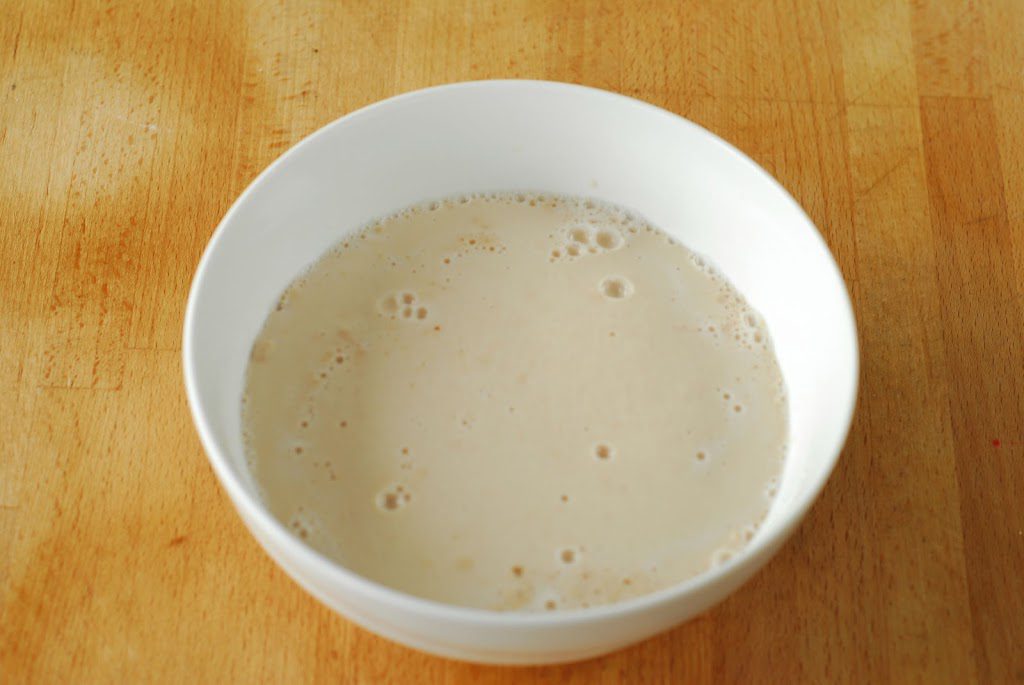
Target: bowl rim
x=256, y=514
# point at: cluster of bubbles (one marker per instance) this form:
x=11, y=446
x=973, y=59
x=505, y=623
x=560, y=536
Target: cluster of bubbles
x=596, y=226
x=261, y=350
x=565, y=558
x=571, y=582
x=393, y=497
x=613, y=221
x=402, y=306
x=304, y=523
x=480, y=242
x=300, y=450
x=734, y=544
x=286, y=297
x=742, y=324
x=731, y=402
x=587, y=238
x=335, y=359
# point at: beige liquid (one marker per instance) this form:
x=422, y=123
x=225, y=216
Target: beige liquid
x=516, y=403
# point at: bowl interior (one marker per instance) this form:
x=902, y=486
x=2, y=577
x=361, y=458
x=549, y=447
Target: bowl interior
x=532, y=136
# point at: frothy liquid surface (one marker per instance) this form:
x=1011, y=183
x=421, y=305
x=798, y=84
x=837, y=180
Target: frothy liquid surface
x=518, y=403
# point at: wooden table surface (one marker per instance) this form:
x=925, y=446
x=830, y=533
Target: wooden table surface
x=127, y=129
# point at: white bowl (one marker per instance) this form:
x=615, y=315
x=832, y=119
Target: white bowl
x=523, y=135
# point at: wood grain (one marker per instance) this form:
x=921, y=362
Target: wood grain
x=126, y=130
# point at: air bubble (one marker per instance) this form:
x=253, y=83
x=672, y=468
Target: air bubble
x=393, y=498
x=603, y=452
x=737, y=408
x=701, y=456
x=260, y=350
x=572, y=251
x=550, y=605
x=567, y=556
x=517, y=571
x=388, y=305
x=616, y=287
x=720, y=557
x=609, y=240
x=302, y=524
x=580, y=235
x=408, y=298
x=421, y=313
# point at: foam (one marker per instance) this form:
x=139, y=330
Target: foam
x=475, y=379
